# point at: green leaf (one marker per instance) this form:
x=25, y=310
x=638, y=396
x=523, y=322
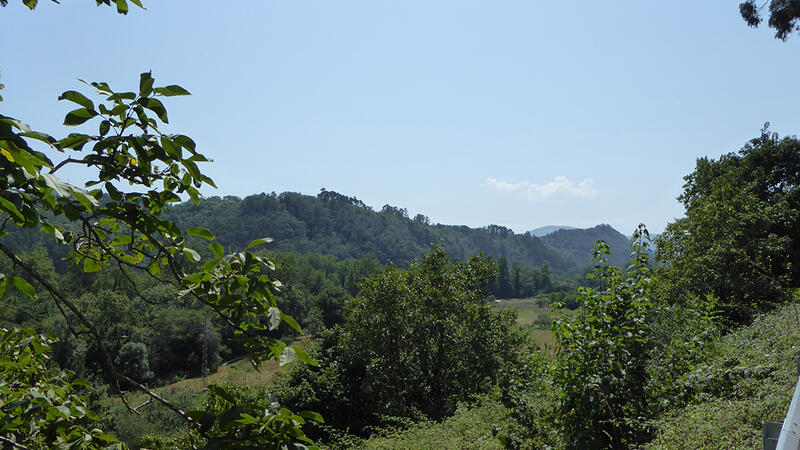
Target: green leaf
x=105, y=126
x=201, y=233
x=122, y=6
x=77, y=97
x=78, y=116
x=122, y=239
x=146, y=84
x=274, y=315
x=84, y=198
x=23, y=286
x=61, y=189
x=113, y=192
x=171, y=90
x=156, y=106
x=3, y=286
x=191, y=254
x=53, y=231
x=185, y=142
x=75, y=141
x=12, y=210
x=291, y=322
x=287, y=356
x=46, y=138
x=247, y=419
x=222, y=393
x=90, y=265
x=311, y=415
x=18, y=124
x=303, y=356
x=171, y=148
x=81, y=382
x=117, y=96
x=230, y=418
x=105, y=437
x=217, y=249
x=257, y=242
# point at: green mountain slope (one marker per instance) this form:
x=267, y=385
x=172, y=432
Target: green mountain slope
x=331, y=223
x=577, y=245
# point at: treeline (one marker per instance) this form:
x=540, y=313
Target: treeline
x=345, y=227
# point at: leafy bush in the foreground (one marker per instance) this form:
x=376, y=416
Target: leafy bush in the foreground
x=621, y=356
x=39, y=404
x=603, y=351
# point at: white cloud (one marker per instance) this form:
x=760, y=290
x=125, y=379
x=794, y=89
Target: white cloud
x=558, y=187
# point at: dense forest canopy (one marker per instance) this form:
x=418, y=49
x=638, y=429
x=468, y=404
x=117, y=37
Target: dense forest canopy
x=335, y=224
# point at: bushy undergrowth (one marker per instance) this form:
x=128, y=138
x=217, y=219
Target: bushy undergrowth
x=472, y=426
x=750, y=380
x=152, y=419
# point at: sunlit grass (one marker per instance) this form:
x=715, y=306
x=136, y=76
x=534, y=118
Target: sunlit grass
x=531, y=313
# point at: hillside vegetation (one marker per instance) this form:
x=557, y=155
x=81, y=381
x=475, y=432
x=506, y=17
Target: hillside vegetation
x=333, y=224
x=576, y=245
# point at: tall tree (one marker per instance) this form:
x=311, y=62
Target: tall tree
x=740, y=239
x=413, y=344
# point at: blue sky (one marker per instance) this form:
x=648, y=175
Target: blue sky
x=517, y=113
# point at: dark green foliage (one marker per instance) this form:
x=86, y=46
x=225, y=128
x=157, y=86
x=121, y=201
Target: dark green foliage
x=240, y=417
x=176, y=342
x=783, y=15
x=578, y=244
x=132, y=360
x=345, y=227
x=472, y=426
x=151, y=419
x=528, y=392
x=413, y=344
x=317, y=286
x=40, y=405
x=740, y=239
x=603, y=353
x=622, y=356
x=749, y=379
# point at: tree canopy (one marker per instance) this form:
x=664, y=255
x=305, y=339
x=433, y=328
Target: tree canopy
x=740, y=239
x=413, y=344
x=783, y=15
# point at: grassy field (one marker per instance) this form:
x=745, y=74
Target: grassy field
x=237, y=372
x=533, y=317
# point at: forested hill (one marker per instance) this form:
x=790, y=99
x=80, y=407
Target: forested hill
x=577, y=244
x=334, y=224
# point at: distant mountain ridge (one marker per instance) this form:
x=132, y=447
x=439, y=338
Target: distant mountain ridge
x=545, y=230
x=578, y=244
x=334, y=224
